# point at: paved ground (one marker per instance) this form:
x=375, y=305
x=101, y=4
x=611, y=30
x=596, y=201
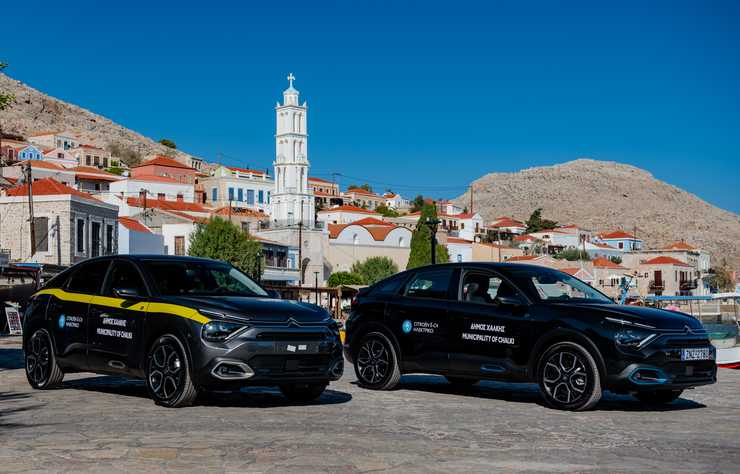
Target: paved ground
x=106, y=424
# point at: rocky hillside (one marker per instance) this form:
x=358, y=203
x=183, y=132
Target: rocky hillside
x=35, y=111
x=604, y=195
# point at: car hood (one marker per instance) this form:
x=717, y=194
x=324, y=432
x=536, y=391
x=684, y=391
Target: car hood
x=254, y=308
x=658, y=318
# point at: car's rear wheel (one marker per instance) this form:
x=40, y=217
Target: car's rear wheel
x=168, y=373
x=569, y=377
x=461, y=381
x=376, y=362
x=42, y=370
x=658, y=397
x=303, y=392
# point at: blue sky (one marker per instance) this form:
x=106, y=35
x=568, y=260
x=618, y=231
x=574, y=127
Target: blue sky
x=419, y=96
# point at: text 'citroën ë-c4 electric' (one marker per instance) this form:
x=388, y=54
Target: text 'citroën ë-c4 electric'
x=523, y=323
x=182, y=324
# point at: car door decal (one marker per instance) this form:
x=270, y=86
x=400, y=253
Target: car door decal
x=143, y=307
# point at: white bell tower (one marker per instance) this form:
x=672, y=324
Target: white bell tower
x=292, y=202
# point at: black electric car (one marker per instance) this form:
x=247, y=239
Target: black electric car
x=180, y=323
x=523, y=323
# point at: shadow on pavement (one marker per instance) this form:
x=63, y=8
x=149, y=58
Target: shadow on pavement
x=249, y=397
x=7, y=402
x=529, y=393
x=11, y=359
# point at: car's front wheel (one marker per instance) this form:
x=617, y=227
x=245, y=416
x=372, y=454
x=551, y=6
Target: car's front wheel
x=168, y=373
x=303, y=392
x=376, y=362
x=569, y=377
x=42, y=370
x=658, y=397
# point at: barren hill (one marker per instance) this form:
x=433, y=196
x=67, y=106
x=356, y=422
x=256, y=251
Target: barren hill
x=603, y=195
x=34, y=111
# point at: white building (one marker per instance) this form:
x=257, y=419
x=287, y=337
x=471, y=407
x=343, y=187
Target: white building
x=344, y=214
x=396, y=202
x=369, y=237
x=239, y=188
x=292, y=201
x=65, y=141
x=157, y=187
x=136, y=238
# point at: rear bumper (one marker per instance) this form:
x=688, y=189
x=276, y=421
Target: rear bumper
x=269, y=356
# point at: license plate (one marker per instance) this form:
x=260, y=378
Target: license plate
x=298, y=347
x=699, y=353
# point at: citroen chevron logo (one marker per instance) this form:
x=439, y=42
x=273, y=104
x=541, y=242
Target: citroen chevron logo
x=293, y=322
x=688, y=330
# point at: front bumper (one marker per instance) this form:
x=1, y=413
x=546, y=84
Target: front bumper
x=660, y=367
x=270, y=355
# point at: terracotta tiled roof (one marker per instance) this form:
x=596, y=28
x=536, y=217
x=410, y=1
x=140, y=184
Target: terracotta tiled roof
x=154, y=179
x=94, y=174
x=90, y=147
x=164, y=161
x=456, y=240
x=133, y=224
x=619, y=234
x=525, y=238
x=319, y=180
x=42, y=164
x=602, y=262
x=247, y=170
x=167, y=205
x=364, y=192
x=378, y=229
x=183, y=215
x=665, y=260
x=239, y=212
x=575, y=270
x=48, y=187
x=348, y=208
x=522, y=258
x=371, y=221
x=603, y=246
x=507, y=222
x=335, y=230
x=680, y=246
x=322, y=193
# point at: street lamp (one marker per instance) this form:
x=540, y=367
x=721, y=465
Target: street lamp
x=433, y=223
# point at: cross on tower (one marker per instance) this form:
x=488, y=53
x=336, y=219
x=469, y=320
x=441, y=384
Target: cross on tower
x=291, y=78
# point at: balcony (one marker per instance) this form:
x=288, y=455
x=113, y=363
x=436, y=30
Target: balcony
x=658, y=285
x=688, y=284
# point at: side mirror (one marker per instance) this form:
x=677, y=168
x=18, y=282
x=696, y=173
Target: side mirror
x=509, y=300
x=126, y=293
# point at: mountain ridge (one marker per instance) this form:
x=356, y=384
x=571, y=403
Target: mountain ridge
x=607, y=195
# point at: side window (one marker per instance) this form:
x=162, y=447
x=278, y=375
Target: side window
x=433, y=284
x=485, y=288
x=390, y=286
x=88, y=278
x=125, y=275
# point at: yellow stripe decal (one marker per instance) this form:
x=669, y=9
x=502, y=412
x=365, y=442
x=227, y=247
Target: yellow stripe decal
x=144, y=307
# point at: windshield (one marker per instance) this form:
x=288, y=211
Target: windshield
x=550, y=285
x=179, y=278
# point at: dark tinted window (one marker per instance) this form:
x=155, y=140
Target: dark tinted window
x=200, y=278
x=88, y=277
x=430, y=284
x=125, y=275
x=390, y=286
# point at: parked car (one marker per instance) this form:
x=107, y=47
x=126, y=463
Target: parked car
x=182, y=324
x=523, y=323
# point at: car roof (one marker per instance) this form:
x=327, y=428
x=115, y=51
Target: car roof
x=486, y=265
x=139, y=257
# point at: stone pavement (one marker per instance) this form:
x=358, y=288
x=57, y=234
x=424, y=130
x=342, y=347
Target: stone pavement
x=106, y=424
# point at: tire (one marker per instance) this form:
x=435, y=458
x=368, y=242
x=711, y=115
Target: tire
x=168, y=377
x=376, y=362
x=42, y=370
x=303, y=392
x=658, y=397
x=461, y=381
x=568, y=377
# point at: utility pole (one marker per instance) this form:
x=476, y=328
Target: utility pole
x=145, y=212
x=229, y=209
x=471, y=198
x=29, y=183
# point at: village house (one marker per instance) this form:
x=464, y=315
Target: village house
x=666, y=276
x=69, y=225
x=344, y=214
x=280, y=263
x=9, y=150
x=582, y=273
x=326, y=193
x=608, y=276
x=91, y=155
x=362, y=198
x=65, y=141
x=30, y=152
x=364, y=238
x=155, y=187
x=41, y=170
x=59, y=156
x=619, y=239
x=238, y=187
x=248, y=220
x=136, y=238
x=94, y=180
x=396, y=202
x=504, y=228
x=493, y=252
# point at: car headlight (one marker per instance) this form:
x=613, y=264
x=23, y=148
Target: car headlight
x=632, y=338
x=220, y=331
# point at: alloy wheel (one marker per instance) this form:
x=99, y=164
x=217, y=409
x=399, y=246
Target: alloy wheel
x=373, y=361
x=565, y=377
x=38, y=358
x=165, y=371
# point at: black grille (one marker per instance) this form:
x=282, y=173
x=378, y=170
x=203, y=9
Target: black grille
x=290, y=365
x=291, y=336
x=686, y=342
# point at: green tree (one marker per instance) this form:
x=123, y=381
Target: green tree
x=222, y=240
x=572, y=255
x=536, y=223
x=6, y=99
x=168, y=143
x=375, y=269
x=344, y=278
x=421, y=246
x=365, y=186
x=721, y=278
x=616, y=259
x=386, y=211
x=417, y=203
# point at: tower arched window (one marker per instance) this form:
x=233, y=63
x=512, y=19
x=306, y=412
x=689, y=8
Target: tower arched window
x=296, y=122
x=355, y=239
